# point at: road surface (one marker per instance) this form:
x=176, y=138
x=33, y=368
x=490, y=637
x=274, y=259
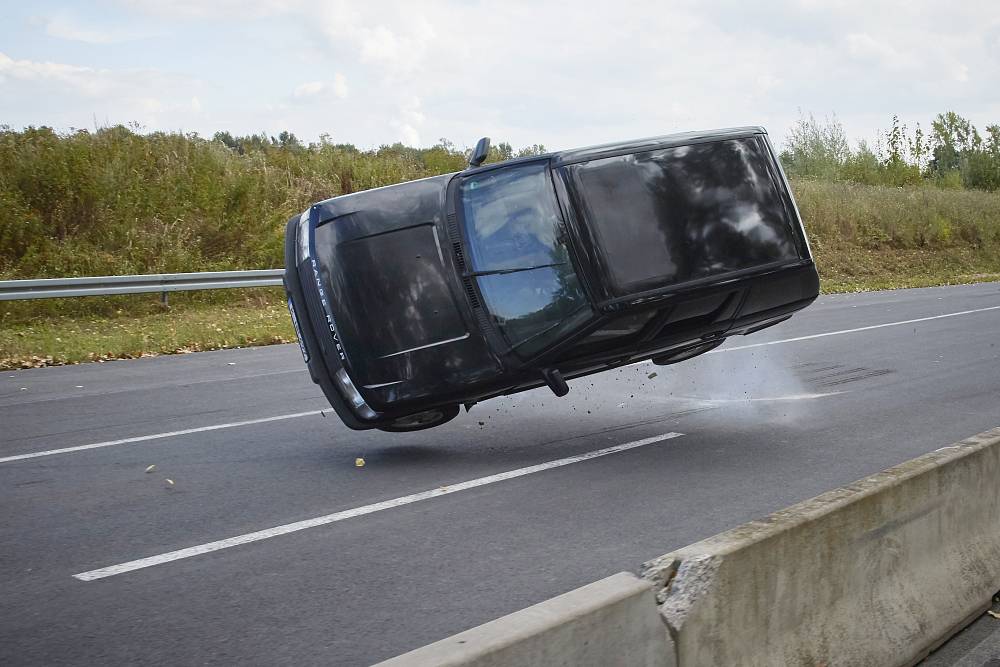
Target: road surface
x=272, y=546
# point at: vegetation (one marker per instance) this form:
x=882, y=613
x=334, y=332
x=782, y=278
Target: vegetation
x=954, y=154
x=915, y=209
x=868, y=237
x=116, y=201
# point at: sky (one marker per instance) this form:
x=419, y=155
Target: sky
x=562, y=74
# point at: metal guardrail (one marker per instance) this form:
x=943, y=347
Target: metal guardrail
x=50, y=288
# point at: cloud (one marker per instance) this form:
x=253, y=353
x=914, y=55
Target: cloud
x=336, y=88
x=86, y=80
x=866, y=48
x=407, y=122
x=65, y=28
x=74, y=95
x=199, y=9
x=64, y=25
x=396, y=39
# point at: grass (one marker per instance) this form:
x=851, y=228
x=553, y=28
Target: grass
x=875, y=237
x=261, y=319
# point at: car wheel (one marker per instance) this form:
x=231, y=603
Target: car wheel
x=421, y=420
x=689, y=353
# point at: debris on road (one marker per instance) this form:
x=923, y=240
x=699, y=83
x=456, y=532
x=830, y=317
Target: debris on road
x=993, y=614
x=652, y=375
x=151, y=468
x=169, y=481
x=359, y=462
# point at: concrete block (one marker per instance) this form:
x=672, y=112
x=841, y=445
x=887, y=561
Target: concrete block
x=613, y=621
x=878, y=572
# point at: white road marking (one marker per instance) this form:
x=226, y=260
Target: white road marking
x=268, y=533
x=156, y=436
x=789, y=397
x=847, y=331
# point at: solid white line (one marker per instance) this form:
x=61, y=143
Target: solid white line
x=847, y=331
x=156, y=436
x=267, y=533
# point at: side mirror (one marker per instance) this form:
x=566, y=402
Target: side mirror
x=480, y=152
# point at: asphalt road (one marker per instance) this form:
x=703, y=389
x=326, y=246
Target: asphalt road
x=387, y=567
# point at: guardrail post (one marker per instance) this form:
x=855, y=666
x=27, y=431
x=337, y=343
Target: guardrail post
x=163, y=300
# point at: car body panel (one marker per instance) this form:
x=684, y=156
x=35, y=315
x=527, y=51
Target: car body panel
x=393, y=294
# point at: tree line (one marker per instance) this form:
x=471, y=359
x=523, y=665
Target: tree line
x=952, y=154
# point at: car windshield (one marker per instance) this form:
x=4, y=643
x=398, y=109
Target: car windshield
x=518, y=256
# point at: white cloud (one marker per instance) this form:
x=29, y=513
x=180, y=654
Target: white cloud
x=864, y=47
x=65, y=28
x=310, y=89
x=199, y=9
x=407, y=122
x=75, y=95
x=85, y=80
x=336, y=88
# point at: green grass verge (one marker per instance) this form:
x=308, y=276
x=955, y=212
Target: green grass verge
x=55, y=341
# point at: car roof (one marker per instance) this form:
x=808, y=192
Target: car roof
x=650, y=143
x=557, y=158
x=560, y=158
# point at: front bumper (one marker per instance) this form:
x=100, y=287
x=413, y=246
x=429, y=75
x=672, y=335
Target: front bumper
x=318, y=347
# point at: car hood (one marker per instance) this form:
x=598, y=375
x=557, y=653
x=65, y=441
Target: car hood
x=394, y=290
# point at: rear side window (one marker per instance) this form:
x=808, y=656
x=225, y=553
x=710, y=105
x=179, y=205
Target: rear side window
x=684, y=213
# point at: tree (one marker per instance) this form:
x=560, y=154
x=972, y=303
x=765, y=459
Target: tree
x=816, y=149
x=953, y=136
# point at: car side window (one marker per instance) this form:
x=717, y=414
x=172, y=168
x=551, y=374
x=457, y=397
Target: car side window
x=522, y=265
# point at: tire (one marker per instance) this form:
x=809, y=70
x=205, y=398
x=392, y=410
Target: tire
x=689, y=353
x=419, y=421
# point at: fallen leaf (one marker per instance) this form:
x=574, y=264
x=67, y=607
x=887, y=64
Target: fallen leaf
x=151, y=468
x=359, y=462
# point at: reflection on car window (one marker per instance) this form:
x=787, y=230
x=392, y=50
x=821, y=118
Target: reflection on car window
x=511, y=218
x=684, y=213
x=523, y=267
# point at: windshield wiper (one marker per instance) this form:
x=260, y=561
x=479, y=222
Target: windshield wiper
x=495, y=272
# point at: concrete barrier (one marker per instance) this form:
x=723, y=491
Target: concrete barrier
x=610, y=622
x=876, y=573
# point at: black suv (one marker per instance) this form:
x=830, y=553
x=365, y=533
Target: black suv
x=412, y=300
